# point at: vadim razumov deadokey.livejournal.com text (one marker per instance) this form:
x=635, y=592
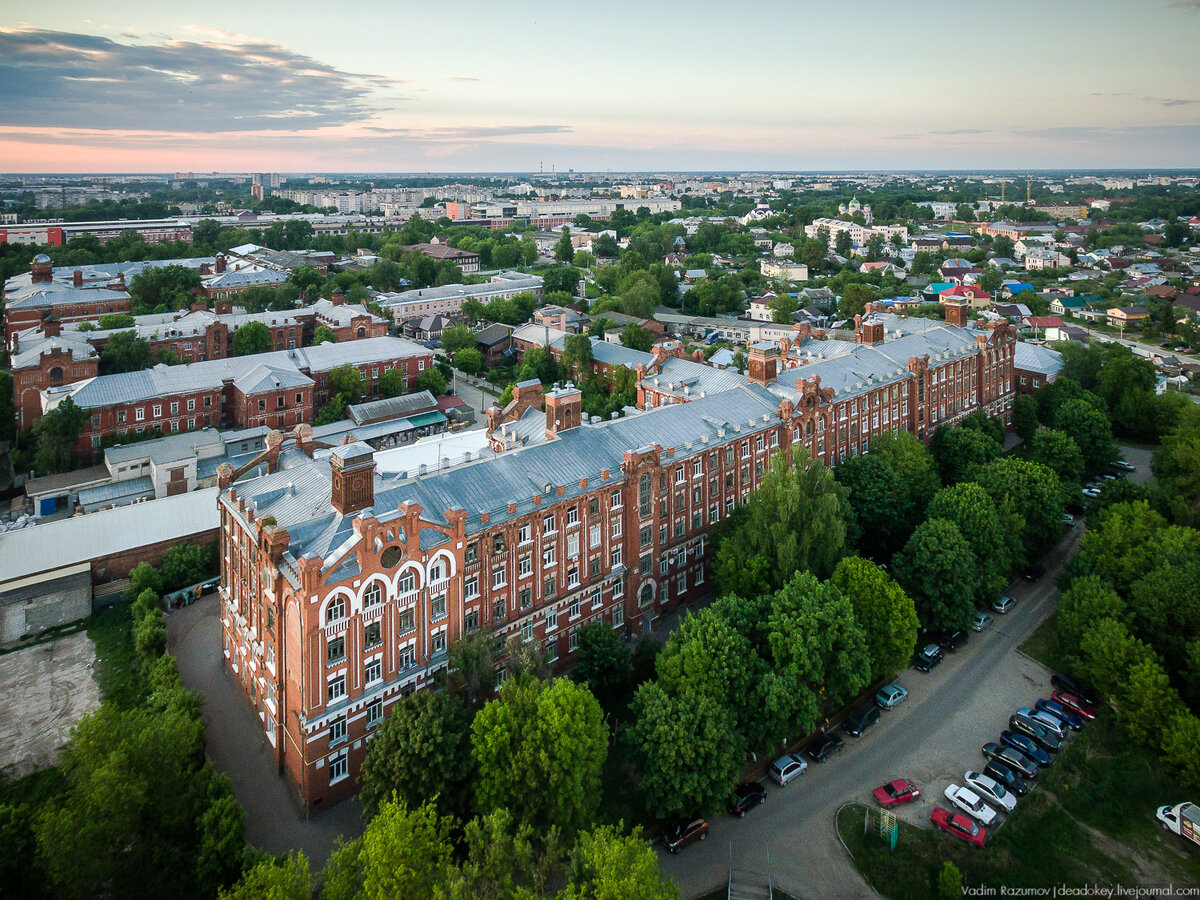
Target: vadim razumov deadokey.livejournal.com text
x=1088, y=890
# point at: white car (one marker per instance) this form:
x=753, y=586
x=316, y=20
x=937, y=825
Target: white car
x=971, y=803
x=1091, y=492
x=990, y=789
x=786, y=768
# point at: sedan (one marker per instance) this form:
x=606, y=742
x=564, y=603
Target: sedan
x=890, y=696
x=1075, y=704
x=825, y=747
x=971, y=803
x=1034, y=572
x=746, y=796
x=1042, y=736
x=1014, y=759
x=896, y=793
x=682, y=832
x=1065, y=682
x=1124, y=466
x=980, y=621
x=952, y=640
x=787, y=767
x=1051, y=723
x=1026, y=745
x=991, y=790
x=1012, y=782
x=1004, y=604
x=1091, y=492
x=962, y=827
x=1064, y=715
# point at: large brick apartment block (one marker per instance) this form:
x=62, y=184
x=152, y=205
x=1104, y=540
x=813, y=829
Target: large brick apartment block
x=343, y=587
x=279, y=390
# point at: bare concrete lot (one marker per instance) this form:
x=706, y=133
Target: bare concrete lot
x=44, y=690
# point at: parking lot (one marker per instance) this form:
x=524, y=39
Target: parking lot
x=933, y=738
x=47, y=689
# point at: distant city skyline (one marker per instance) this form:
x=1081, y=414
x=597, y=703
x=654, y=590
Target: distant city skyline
x=367, y=86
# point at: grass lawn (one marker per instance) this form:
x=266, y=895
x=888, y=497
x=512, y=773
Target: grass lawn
x=1043, y=646
x=116, y=671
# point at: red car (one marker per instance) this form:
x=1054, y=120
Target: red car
x=960, y=826
x=1073, y=703
x=896, y=793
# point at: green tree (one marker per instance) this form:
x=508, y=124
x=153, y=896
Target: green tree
x=1180, y=741
x=637, y=338
x=421, y=753
x=855, y=298
x=564, y=250
x=1028, y=497
x=274, y=878
x=795, y=521
x=1024, y=417
x=1148, y=702
x=468, y=360
x=433, y=381
x=685, y=749
x=604, y=665
x=577, y=354
x=607, y=864
x=457, y=337
x=1091, y=431
x=252, y=338
x=125, y=352
x=950, y=881
x=305, y=278
x=113, y=321
x=346, y=381
x=1176, y=466
x=1129, y=540
x=321, y=335
x=960, y=452
x=162, y=289
x=393, y=383
x=937, y=568
x=842, y=243
x=887, y=615
x=538, y=751
x=709, y=655
x=1088, y=600
x=1057, y=451
x=57, y=434
x=972, y=509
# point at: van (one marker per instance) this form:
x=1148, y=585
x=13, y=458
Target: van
x=860, y=719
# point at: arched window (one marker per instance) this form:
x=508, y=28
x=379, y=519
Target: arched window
x=408, y=583
x=362, y=332
x=373, y=596
x=647, y=594
x=56, y=374
x=437, y=571
x=644, y=498
x=336, y=610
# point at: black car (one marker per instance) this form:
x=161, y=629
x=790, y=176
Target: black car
x=952, y=640
x=746, y=796
x=1065, y=682
x=682, y=832
x=1006, y=776
x=861, y=719
x=1011, y=757
x=825, y=747
x=928, y=658
x=1042, y=736
x=1034, y=572
x=1026, y=745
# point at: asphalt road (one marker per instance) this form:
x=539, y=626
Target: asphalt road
x=933, y=739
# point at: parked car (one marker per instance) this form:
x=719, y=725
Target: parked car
x=952, y=640
x=1051, y=723
x=824, y=747
x=1013, y=783
x=896, y=793
x=981, y=620
x=746, y=796
x=1034, y=572
x=928, y=658
x=1004, y=604
x=1042, y=736
x=860, y=719
x=991, y=790
x=971, y=803
x=1026, y=745
x=1075, y=703
x=681, y=832
x=1068, y=520
x=962, y=827
x=1092, y=492
x=890, y=696
x=1013, y=758
x=1065, y=682
x=1124, y=466
x=1064, y=715
x=787, y=767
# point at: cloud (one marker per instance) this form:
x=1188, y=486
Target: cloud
x=230, y=83
x=964, y=131
x=460, y=78
x=469, y=131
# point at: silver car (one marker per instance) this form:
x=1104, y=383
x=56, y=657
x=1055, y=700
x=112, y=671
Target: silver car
x=991, y=790
x=1004, y=604
x=980, y=621
x=1049, y=721
x=787, y=767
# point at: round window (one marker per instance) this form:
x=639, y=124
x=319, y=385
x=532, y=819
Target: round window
x=390, y=558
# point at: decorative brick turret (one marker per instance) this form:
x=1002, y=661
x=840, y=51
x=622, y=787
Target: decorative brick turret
x=564, y=409
x=42, y=269
x=353, y=468
x=763, y=363
x=956, y=314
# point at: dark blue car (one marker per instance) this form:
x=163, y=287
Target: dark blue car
x=1060, y=712
x=1026, y=745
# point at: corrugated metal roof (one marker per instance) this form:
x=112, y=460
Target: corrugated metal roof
x=67, y=542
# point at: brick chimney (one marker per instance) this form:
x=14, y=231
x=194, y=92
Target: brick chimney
x=353, y=467
x=77, y=278
x=338, y=298
x=956, y=314
x=220, y=263
x=872, y=333
x=42, y=269
x=51, y=327
x=763, y=363
x=564, y=408
x=529, y=393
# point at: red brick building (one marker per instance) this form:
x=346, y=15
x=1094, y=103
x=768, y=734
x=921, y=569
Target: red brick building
x=54, y=361
x=324, y=628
